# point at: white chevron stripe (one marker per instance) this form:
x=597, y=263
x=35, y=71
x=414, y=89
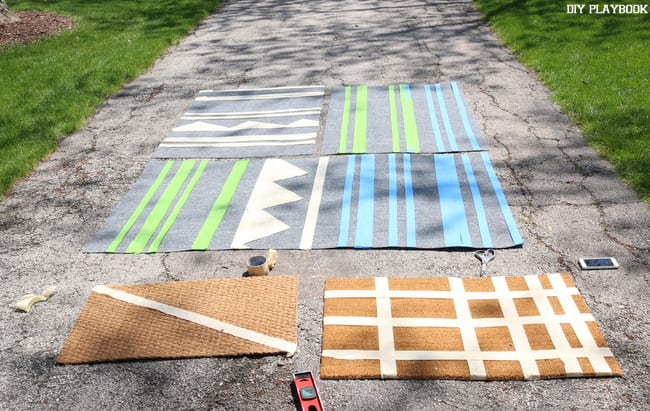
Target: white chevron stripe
x=246, y=125
x=257, y=223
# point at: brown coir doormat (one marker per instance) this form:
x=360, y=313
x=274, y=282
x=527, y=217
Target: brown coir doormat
x=185, y=319
x=494, y=328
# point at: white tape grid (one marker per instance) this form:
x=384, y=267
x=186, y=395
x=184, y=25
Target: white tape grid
x=583, y=333
x=387, y=362
x=467, y=326
x=467, y=332
x=254, y=336
x=560, y=342
x=516, y=330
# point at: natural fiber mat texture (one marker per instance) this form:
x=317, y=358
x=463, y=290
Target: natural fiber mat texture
x=356, y=201
x=495, y=328
x=268, y=122
x=400, y=119
x=185, y=319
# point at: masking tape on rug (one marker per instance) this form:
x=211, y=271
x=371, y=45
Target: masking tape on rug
x=27, y=301
x=254, y=336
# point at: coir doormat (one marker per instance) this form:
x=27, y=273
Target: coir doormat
x=267, y=122
x=357, y=201
x=494, y=328
x=185, y=319
x=400, y=119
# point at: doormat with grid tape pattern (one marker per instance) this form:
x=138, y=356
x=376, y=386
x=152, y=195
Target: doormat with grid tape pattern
x=495, y=328
x=185, y=319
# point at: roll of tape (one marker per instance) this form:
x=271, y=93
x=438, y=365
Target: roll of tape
x=257, y=265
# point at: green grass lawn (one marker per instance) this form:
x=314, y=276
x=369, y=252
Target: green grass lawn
x=50, y=88
x=598, y=68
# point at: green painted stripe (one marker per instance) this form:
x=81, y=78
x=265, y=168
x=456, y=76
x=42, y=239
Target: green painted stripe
x=393, y=118
x=203, y=240
x=345, y=121
x=178, y=207
x=160, y=209
x=408, y=115
x=141, y=206
x=360, y=120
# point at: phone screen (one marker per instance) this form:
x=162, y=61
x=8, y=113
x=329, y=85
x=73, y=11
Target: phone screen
x=599, y=262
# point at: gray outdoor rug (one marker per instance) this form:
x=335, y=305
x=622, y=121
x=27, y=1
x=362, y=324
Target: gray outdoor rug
x=400, y=119
x=357, y=201
x=268, y=122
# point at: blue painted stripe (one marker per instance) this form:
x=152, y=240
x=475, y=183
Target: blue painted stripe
x=393, y=238
x=409, y=203
x=406, y=89
x=452, y=209
x=503, y=203
x=434, y=119
x=463, y=116
x=486, y=240
x=366, y=207
x=346, y=204
x=445, y=119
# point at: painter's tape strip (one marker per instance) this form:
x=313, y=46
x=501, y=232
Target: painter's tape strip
x=27, y=301
x=280, y=344
x=476, y=355
x=386, y=338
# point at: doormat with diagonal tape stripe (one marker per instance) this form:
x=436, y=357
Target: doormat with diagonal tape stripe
x=400, y=119
x=494, y=328
x=185, y=319
x=268, y=122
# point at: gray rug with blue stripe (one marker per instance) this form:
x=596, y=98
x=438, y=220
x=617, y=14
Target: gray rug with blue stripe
x=356, y=201
x=400, y=119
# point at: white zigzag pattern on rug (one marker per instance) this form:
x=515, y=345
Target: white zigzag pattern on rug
x=257, y=223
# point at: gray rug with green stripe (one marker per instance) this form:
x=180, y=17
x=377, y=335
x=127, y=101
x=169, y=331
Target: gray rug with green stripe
x=354, y=201
x=400, y=119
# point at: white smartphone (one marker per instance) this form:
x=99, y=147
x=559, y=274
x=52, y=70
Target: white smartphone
x=598, y=263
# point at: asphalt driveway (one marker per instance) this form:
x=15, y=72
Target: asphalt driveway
x=567, y=202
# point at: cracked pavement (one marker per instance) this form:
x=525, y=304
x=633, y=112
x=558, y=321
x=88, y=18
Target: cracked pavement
x=567, y=201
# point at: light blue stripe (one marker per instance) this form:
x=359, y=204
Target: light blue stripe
x=366, y=207
x=463, y=116
x=344, y=229
x=452, y=209
x=478, y=204
x=409, y=202
x=393, y=239
x=445, y=119
x=434, y=119
x=505, y=208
